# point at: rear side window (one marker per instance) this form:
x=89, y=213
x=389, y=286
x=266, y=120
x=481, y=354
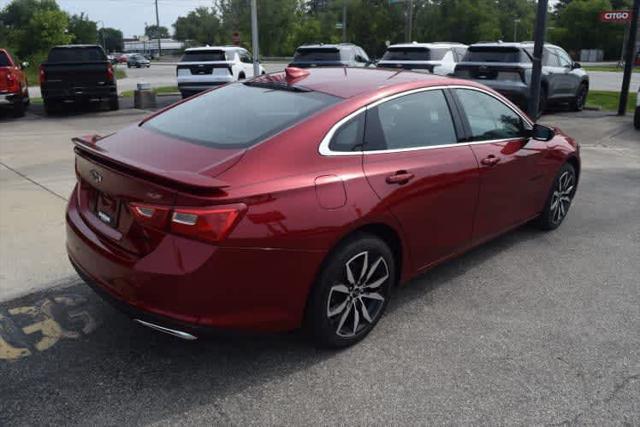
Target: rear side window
x=237, y=115
x=349, y=136
x=76, y=54
x=495, y=54
x=4, y=60
x=414, y=54
x=488, y=117
x=419, y=120
x=318, y=54
x=204, y=56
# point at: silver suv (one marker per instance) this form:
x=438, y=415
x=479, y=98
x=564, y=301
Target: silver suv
x=506, y=68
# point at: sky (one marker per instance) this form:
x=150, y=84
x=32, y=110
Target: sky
x=129, y=15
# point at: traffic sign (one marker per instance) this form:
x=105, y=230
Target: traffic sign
x=615, y=16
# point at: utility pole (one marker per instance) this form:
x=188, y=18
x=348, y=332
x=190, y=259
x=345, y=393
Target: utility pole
x=538, y=46
x=344, y=22
x=158, y=30
x=515, y=29
x=254, y=38
x=409, y=27
x=628, y=60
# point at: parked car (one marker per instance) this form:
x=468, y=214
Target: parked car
x=437, y=58
x=330, y=55
x=636, y=115
x=137, y=60
x=506, y=67
x=202, y=68
x=14, y=89
x=305, y=197
x=74, y=73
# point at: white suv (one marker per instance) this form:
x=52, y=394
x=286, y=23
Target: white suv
x=438, y=58
x=202, y=68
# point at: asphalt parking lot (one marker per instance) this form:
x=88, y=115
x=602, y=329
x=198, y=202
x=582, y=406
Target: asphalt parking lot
x=532, y=328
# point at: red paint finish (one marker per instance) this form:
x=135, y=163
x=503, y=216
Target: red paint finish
x=12, y=79
x=296, y=206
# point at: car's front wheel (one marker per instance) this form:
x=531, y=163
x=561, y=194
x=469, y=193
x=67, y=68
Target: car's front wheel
x=559, y=200
x=351, y=292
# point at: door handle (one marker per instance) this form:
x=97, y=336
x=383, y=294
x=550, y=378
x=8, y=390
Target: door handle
x=400, y=177
x=490, y=160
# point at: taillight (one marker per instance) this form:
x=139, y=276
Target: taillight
x=109, y=72
x=13, y=85
x=210, y=224
x=42, y=75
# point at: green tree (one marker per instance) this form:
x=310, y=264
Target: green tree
x=155, y=32
x=201, y=26
x=26, y=29
x=82, y=29
x=112, y=39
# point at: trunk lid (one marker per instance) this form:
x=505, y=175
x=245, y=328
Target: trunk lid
x=140, y=166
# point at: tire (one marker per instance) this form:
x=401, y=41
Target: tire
x=636, y=118
x=351, y=292
x=114, y=104
x=578, y=103
x=19, y=108
x=556, y=208
x=241, y=76
x=51, y=107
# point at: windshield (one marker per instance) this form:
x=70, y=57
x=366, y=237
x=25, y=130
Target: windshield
x=204, y=56
x=495, y=54
x=413, y=54
x=317, y=54
x=220, y=118
x=76, y=54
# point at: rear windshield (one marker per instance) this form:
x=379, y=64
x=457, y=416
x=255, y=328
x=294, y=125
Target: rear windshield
x=319, y=54
x=4, y=60
x=495, y=54
x=204, y=56
x=237, y=115
x=413, y=54
x=76, y=54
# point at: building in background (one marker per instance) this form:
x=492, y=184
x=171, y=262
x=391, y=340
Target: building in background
x=150, y=46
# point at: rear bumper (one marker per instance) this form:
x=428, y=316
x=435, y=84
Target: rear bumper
x=79, y=93
x=196, y=285
x=9, y=99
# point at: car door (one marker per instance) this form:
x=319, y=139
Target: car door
x=421, y=174
x=554, y=72
x=511, y=165
x=570, y=78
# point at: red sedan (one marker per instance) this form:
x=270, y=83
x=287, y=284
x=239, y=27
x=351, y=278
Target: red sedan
x=305, y=197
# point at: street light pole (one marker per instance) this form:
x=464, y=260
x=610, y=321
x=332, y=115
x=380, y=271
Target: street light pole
x=515, y=29
x=158, y=30
x=628, y=60
x=344, y=22
x=104, y=45
x=536, y=73
x=254, y=38
x=409, y=28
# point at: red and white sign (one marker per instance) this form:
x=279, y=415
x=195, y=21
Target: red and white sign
x=615, y=16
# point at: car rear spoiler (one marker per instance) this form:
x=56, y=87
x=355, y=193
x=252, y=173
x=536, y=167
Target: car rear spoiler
x=189, y=181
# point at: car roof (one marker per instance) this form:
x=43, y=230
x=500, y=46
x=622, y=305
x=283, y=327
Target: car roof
x=429, y=45
x=225, y=48
x=328, y=46
x=348, y=82
x=510, y=44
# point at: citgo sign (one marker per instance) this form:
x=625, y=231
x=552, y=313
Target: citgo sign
x=615, y=16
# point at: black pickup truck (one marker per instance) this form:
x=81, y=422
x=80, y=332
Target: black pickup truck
x=77, y=73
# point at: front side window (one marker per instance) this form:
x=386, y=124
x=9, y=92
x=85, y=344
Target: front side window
x=565, y=60
x=488, y=117
x=412, y=121
x=219, y=118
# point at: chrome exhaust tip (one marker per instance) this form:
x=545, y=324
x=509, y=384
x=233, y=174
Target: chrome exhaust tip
x=175, y=333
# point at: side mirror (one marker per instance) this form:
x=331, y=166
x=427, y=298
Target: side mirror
x=542, y=133
x=24, y=65
x=576, y=65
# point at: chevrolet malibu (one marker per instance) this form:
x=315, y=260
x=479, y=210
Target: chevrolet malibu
x=304, y=198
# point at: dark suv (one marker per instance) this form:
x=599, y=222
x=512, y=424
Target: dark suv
x=330, y=55
x=506, y=67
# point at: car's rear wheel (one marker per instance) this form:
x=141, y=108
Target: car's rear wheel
x=351, y=292
x=580, y=100
x=114, y=104
x=559, y=200
x=19, y=108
